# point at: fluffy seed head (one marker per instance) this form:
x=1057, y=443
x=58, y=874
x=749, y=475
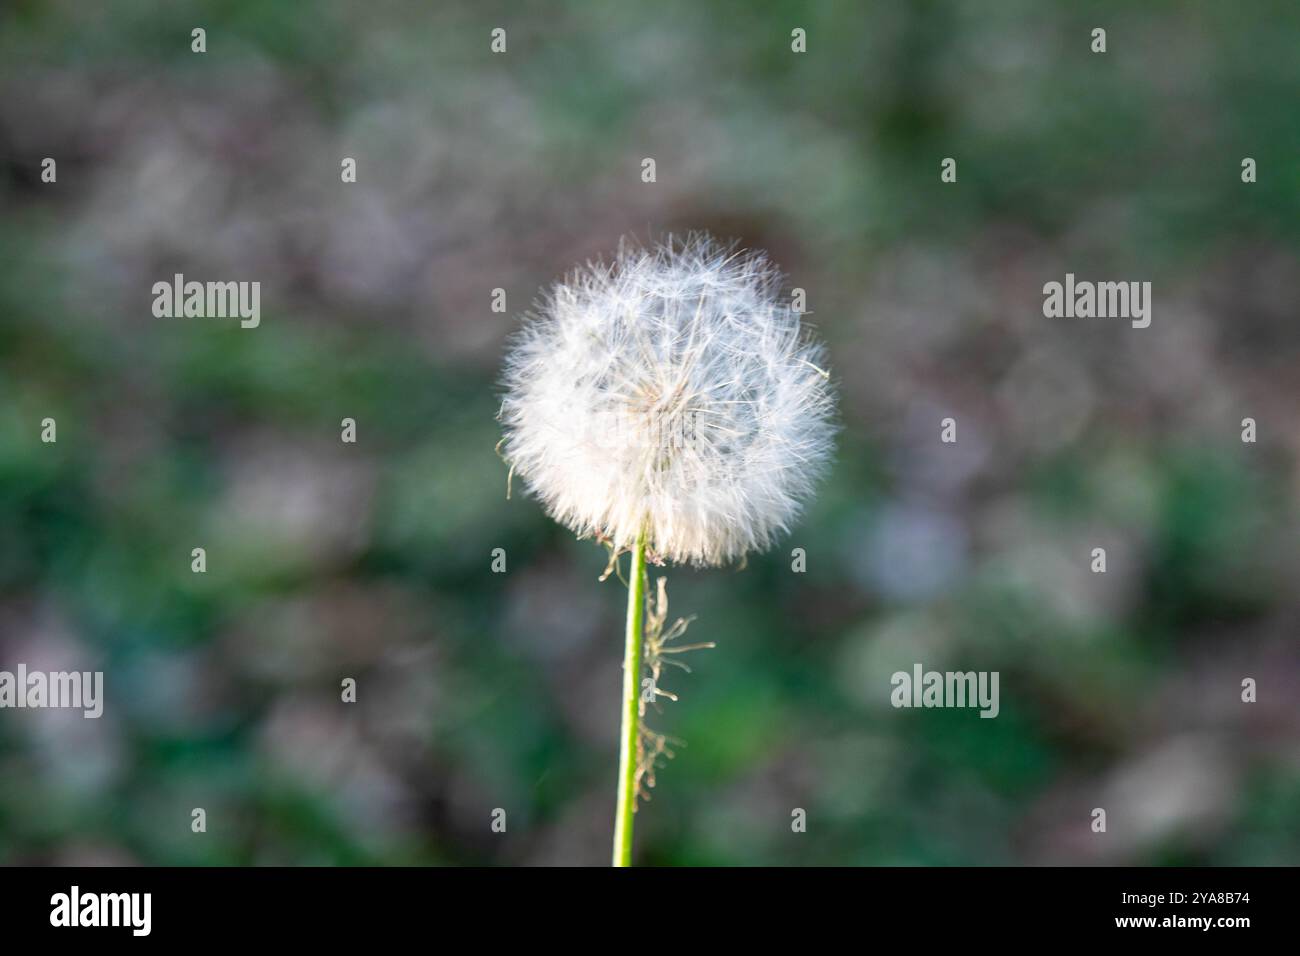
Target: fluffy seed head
x=673, y=389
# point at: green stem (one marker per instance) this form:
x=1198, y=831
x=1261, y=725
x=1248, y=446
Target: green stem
x=631, y=717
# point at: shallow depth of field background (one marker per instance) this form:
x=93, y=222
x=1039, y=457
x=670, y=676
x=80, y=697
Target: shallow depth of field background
x=481, y=690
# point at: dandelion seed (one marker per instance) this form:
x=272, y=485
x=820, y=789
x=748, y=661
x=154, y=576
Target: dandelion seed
x=676, y=390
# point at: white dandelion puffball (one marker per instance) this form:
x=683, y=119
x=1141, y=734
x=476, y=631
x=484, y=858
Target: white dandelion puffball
x=673, y=390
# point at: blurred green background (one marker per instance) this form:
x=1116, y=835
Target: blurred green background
x=478, y=690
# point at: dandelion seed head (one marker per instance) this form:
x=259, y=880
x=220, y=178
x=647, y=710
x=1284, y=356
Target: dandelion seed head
x=676, y=389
